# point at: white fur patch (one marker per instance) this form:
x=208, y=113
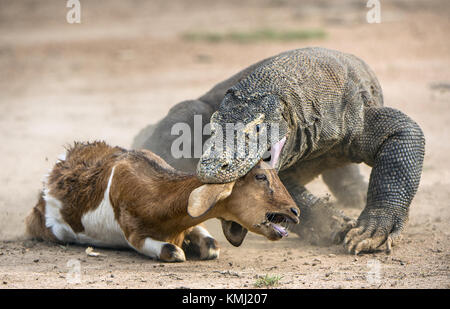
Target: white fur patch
x=54, y=220
x=53, y=206
x=100, y=225
x=202, y=231
x=152, y=248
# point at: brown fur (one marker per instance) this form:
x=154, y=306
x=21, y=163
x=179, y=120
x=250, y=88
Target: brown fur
x=35, y=222
x=149, y=198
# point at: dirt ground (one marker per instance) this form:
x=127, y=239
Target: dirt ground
x=127, y=63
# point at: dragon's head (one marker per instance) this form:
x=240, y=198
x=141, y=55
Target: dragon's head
x=244, y=131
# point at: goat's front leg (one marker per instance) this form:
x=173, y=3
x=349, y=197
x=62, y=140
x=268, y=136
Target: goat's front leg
x=156, y=249
x=201, y=243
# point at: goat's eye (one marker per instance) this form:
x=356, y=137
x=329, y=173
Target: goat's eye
x=260, y=177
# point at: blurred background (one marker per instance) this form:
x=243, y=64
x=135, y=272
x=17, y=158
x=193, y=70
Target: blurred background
x=127, y=62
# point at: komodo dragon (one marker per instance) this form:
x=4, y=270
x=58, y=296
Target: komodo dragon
x=328, y=107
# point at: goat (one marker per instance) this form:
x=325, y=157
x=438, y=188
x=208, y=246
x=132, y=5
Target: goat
x=111, y=197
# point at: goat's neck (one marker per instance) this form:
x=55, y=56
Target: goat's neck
x=179, y=190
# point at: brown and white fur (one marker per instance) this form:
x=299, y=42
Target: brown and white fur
x=110, y=197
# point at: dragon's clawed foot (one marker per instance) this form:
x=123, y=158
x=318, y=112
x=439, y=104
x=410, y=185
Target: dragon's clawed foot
x=372, y=231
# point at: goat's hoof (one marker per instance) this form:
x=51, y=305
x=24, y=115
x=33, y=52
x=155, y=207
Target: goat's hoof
x=209, y=249
x=172, y=253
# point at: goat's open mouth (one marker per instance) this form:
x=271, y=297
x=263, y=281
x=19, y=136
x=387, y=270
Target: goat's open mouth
x=279, y=223
x=273, y=153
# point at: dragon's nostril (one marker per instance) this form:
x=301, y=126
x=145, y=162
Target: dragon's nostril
x=224, y=166
x=294, y=211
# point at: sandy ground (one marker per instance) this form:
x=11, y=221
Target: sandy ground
x=126, y=64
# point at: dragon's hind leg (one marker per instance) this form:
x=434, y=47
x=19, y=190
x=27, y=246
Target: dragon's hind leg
x=320, y=222
x=347, y=185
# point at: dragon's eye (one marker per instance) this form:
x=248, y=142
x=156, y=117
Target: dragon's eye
x=258, y=127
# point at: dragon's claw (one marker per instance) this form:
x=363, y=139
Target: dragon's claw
x=370, y=235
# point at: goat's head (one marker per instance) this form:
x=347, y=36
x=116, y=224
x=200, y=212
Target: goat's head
x=257, y=202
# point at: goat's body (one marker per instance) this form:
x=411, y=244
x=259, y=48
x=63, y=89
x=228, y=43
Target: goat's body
x=110, y=197
x=94, y=196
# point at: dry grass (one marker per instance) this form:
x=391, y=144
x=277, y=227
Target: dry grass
x=257, y=35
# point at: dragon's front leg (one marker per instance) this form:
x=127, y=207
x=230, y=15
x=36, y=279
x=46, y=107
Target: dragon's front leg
x=394, y=146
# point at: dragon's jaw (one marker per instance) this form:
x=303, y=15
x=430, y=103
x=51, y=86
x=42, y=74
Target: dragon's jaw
x=225, y=167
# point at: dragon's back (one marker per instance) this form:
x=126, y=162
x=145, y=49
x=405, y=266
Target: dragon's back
x=325, y=89
x=312, y=76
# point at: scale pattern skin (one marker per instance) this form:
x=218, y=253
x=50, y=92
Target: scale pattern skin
x=331, y=106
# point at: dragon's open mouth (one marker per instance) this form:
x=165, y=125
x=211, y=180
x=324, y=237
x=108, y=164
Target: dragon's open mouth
x=274, y=152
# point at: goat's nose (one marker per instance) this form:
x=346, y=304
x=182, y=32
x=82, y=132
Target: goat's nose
x=294, y=211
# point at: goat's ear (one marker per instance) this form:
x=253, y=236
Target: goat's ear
x=206, y=196
x=234, y=232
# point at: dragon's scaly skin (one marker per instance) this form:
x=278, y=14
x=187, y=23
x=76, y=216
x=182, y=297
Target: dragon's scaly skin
x=329, y=105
